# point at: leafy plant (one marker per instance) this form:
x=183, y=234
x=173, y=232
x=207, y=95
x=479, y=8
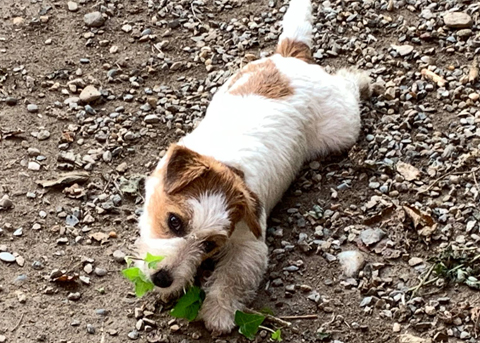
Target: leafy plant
x=141, y=282
x=277, y=335
x=458, y=267
x=248, y=324
x=152, y=260
x=189, y=304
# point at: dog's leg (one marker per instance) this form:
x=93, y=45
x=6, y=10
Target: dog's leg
x=233, y=284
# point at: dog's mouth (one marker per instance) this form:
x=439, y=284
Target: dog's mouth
x=192, y=267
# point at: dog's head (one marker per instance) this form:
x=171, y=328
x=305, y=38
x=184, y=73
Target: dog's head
x=192, y=206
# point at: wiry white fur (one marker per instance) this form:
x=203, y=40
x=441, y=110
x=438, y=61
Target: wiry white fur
x=209, y=212
x=269, y=140
x=183, y=256
x=297, y=22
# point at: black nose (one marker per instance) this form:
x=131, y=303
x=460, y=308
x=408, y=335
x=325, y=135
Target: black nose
x=162, y=278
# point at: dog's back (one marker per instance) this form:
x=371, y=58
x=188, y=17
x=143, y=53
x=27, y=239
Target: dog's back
x=279, y=111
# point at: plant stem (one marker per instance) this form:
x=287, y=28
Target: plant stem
x=265, y=328
x=422, y=282
x=273, y=319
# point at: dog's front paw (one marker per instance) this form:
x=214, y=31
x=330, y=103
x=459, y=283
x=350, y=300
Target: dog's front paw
x=218, y=318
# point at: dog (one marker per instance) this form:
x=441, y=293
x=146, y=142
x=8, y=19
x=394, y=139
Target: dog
x=210, y=195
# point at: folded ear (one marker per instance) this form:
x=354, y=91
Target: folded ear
x=183, y=166
x=252, y=210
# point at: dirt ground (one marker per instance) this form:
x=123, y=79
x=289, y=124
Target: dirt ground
x=45, y=47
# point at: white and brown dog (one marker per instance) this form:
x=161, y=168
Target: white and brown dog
x=211, y=194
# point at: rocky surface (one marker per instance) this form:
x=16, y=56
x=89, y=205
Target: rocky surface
x=93, y=92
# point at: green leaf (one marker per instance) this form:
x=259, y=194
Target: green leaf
x=141, y=282
x=153, y=260
x=189, y=304
x=277, y=336
x=248, y=323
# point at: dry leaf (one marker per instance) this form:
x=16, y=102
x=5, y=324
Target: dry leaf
x=383, y=215
x=67, y=137
x=419, y=218
x=422, y=222
x=427, y=231
x=408, y=171
x=430, y=75
x=65, y=179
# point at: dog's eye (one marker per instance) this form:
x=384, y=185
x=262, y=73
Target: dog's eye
x=174, y=223
x=208, y=246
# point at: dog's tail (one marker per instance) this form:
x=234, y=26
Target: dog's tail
x=296, y=38
x=358, y=80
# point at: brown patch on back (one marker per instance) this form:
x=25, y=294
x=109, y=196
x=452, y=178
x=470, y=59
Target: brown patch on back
x=186, y=175
x=264, y=79
x=291, y=48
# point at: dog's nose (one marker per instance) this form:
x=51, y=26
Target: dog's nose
x=162, y=278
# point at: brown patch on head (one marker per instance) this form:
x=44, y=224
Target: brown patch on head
x=291, y=48
x=186, y=175
x=261, y=78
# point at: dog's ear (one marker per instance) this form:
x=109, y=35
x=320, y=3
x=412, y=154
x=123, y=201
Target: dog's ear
x=252, y=218
x=183, y=167
x=252, y=210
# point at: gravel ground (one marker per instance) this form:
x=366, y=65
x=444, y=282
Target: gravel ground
x=100, y=88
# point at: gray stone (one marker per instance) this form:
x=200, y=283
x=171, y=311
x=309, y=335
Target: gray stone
x=152, y=119
x=457, y=20
x=403, y=50
x=133, y=335
x=90, y=329
x=10, y=101
x=5, y=203
x=7, y=257
x=415, y=261
x=72, y=6
x=43, y=135
x=32, y=108
x=351, y=262
x=94, y=19
x=100, y=271
x=119, y=256
x=90, y=94
x=74, y=296
x=372, y=236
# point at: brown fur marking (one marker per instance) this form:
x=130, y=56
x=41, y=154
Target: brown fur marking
x=262, y=78
x=291, y=48
x=187, y=174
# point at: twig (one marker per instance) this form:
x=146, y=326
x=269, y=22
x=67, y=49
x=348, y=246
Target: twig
x=444, y=176
x=18, y=323
x=422, y=282
x=273, y=319
x=306, y=316
x=193, y=12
